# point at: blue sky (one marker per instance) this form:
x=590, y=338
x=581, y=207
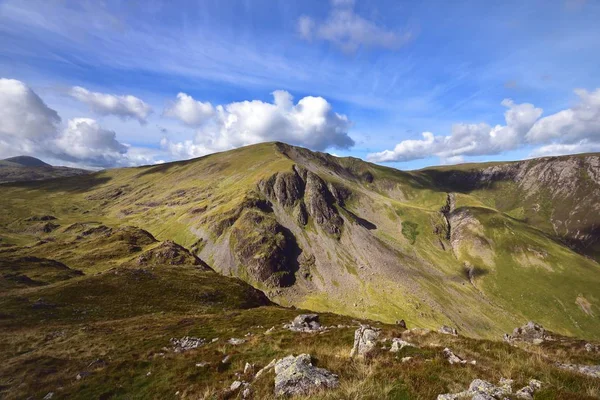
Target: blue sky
x=391, y=69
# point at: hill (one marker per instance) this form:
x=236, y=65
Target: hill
x=102, y=274
x=25, y=168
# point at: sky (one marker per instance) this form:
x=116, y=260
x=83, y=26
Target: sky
x=408, y=84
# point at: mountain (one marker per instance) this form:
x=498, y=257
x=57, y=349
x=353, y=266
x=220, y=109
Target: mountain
x=167, y=280
x=25, y=168
x=482, y=247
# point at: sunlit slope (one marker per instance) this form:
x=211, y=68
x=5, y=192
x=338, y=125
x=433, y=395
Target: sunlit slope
x=337, y=234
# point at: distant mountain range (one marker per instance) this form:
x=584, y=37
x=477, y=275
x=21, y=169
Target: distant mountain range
x=26, y=168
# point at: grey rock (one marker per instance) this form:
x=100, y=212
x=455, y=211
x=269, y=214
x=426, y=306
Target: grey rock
x=401, y=324
x=590, y=348
x=399, y=344
x=186, y=343
x=49, y=396
x=482, y=390
x=589, y=370
x=530, y=332
x=454, y=359
x=365, y=340
x=265, y=369
x=248, y=368
x=305, y=323
x=297, y=376
x=236, y=341
x=447, y=330
x=528, y=391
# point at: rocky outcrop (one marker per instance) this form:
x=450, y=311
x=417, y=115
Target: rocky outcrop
x=365, y=341
x=589, y=370
x=484, y=390
x=305, y=323
x=297, y=376
x=170, y=253
x=530, y=332
x=447, y=330
x=309, y=196
x=266, y=250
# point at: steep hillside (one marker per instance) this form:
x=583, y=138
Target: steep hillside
x=25, y=168
x=342, y=235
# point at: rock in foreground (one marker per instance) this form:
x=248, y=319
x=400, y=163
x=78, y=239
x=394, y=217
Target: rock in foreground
x=297, y=376
x=365, y=340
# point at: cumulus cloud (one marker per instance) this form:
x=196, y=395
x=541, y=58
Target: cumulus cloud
x=349, y=31
x=29, y=127
x=574, y=130
x=311, y=122
x=189, y=111
x=23, y=114
x=109, y=104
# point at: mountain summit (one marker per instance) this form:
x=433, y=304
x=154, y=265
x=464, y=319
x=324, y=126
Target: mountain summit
x=340, y=234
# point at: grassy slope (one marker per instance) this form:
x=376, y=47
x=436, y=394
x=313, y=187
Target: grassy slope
x=173, y=201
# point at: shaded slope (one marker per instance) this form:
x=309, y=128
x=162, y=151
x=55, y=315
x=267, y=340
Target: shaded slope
x=25, y=168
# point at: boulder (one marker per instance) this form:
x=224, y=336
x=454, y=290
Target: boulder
x=305, y=323
x=365, y=340
x=297, y=376
x=447, y=330
x=454, y=359
x=186, y=343
x=482, y=390
x=530, y=332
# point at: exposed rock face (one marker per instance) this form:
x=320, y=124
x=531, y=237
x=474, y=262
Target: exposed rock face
x=305, y=323
x=297, y=376
x=530, y=332
x=309, y=195
x=365, y=341
x=589, y=370
x=169, y=253
x=266, y=250
x=447, y=330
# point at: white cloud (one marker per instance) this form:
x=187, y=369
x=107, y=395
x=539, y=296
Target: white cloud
x=468, y=139
x=29, y=127
x=127, y=106
x=311, y=122
x=574, y=130
x=349, y=31
x=23, y=114
x=189, y=111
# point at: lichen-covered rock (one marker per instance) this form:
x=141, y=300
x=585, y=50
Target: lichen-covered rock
x=589, y=370
x=528, y=391
x=482, y=390
x=530, y=332
x=186, y=343
x=305, y=323
x=297, y=376
x=365, y=341
x=447, y=330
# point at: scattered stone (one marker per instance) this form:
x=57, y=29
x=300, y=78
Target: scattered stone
x=270, y=330
x=305, y=323
x=591, y=348
x=215, y=340
x=401, y=324
x=265, y=369
x=186, y=343
x=297, y=376
x=454, y=359
x=365, y=340
x=589, y=370
x=49, y=396
x=399, y=344
x=202, y=364
x=246, y=393
x=235, y=386
x=528, y=391
x=226, y=359
x=482, y=390
x=406, y=359
x=530, y=332
x=248, y=369
x=149, y=373
x=236, y=341
x=447, y=330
